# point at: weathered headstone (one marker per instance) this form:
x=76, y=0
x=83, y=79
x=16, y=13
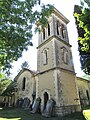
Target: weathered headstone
x=26, y=103
x=19, y=102
x=36, y=106
x=49, y=108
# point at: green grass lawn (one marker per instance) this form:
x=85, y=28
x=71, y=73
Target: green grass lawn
x=86, y=114
x=19, y=114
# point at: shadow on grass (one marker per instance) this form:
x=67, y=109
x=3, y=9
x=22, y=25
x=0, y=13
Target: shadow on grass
x=19, y=114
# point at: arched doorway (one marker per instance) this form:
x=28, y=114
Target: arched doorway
x=46, y=97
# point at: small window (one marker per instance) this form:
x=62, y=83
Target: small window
x=87, y=94
x=23, y=83
x=46, y=56
x=79, y=95
x=48, y=30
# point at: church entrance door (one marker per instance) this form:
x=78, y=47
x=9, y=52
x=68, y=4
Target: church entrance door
x=46, y=97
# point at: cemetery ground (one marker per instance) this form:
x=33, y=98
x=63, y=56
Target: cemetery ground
x=20, y=114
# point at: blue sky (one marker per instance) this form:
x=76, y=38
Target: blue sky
x=66, y=8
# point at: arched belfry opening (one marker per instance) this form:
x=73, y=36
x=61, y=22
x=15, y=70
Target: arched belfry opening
x=43, y=29
x=46, y=97
x=58, y=25
x=48, y=29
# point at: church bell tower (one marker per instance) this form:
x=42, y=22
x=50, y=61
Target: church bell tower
x=56, y=75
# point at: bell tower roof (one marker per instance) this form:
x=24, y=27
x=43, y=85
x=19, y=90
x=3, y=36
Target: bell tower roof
x=60, y=15
x=56, y=27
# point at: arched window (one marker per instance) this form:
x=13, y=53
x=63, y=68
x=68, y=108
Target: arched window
x=48, y=30
x=23, y=83
x=58, y=28
x=43, y=33
x=65, y=57
x=87, y=93
x=45, y=57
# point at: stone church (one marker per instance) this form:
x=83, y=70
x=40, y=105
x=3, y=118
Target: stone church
x=55, y=77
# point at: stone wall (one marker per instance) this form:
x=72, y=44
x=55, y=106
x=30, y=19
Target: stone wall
x=83, y=90
x=29, y=89
x=64, y=110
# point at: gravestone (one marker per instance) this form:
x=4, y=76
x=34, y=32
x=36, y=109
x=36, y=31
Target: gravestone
x=36, y=106
x=49, y=108
x=19, y=102
x=26, y=103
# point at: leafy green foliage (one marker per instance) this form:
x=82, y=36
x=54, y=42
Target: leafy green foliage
x=17, y=18
x=82, y=16
x=11, y=88
x=7, y=86
x=4, y=83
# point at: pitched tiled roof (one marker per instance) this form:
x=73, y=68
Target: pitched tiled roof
x=23, y=70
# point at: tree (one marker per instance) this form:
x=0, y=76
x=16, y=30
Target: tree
x=7, y=86
x=10, y=89
x=25, y=65
x=17, y=18
x=4, y=83
x=82, y=17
